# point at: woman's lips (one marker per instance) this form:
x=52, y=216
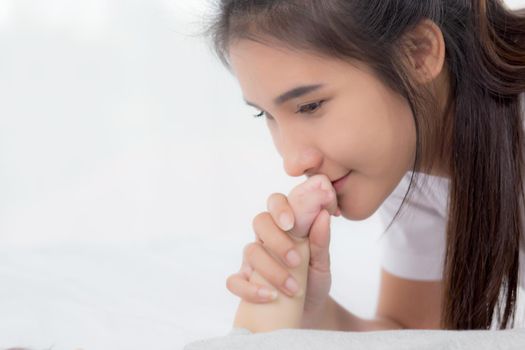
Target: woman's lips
x=339, y=183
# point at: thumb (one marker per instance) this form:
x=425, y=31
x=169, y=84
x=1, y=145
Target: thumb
x=320, y=242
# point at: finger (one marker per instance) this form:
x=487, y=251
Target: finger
x=246, y=270
x=248, y=291
x=269, y=268
x=277, y=205
x=276, y=240
x=320, y=242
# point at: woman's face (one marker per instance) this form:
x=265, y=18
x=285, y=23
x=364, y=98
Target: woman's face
x=348, y=121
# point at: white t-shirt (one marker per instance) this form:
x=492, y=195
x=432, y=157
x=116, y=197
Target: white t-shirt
x=414, y=246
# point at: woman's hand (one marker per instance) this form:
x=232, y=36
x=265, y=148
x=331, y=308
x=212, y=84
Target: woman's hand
x=272, y=254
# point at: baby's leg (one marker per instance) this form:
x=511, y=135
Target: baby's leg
x=285, y=311
x=306, y=200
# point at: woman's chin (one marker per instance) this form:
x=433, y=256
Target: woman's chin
x=356, y=212
x=359, y=198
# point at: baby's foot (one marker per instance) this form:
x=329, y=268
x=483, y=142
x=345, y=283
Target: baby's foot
x=308, y=199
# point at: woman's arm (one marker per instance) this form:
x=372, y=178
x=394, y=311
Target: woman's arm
x=402, y=303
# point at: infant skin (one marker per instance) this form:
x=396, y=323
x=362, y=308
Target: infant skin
x=306, y=200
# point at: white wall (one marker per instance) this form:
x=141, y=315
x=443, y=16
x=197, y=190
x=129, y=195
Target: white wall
x=118, y=126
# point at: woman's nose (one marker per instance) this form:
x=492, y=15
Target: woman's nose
x=301, y=161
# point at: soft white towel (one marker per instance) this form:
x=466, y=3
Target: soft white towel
x=303, y=339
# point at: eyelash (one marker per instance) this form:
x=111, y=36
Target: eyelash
x=319, y=104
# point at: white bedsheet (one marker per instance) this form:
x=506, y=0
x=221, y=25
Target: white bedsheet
x=161, y=294
x=291, y=339
x=157, y=293
x=109, y=296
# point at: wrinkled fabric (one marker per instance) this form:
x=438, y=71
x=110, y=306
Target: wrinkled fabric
x=304, y=339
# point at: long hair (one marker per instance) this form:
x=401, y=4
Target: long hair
x=479, y=137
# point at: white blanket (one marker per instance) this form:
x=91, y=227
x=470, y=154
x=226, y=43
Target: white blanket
x=300, y=339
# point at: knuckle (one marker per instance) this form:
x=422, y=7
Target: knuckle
x=286, y=247
x=258, y=219
x=283, y=279
x=273, y=199
x=250, y=248
x=229, y=283
x=283, y=243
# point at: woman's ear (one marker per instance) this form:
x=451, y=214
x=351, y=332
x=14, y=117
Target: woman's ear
x=425, y=50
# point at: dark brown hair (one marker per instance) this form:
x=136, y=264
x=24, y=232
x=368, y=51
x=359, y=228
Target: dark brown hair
x=481, y=144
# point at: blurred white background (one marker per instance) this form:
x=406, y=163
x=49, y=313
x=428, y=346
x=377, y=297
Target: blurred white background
x=130, y=171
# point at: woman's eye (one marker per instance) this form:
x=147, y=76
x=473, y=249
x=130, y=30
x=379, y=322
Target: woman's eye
x=310, y=108
x=261, y=114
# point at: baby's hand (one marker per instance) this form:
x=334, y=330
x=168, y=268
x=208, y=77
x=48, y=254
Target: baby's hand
x=308, y=199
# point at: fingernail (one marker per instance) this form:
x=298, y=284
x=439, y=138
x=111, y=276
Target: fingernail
x=285, y=221
x=291, y=285
x=267, y=293
x=293, y=258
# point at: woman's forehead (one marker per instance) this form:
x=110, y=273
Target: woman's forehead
x=274, y=56
x=262, y=68
x=255, y=57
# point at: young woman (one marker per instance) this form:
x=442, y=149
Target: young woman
x=412, y=100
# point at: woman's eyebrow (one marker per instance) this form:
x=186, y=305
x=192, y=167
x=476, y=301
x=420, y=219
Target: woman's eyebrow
x=291, y=94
